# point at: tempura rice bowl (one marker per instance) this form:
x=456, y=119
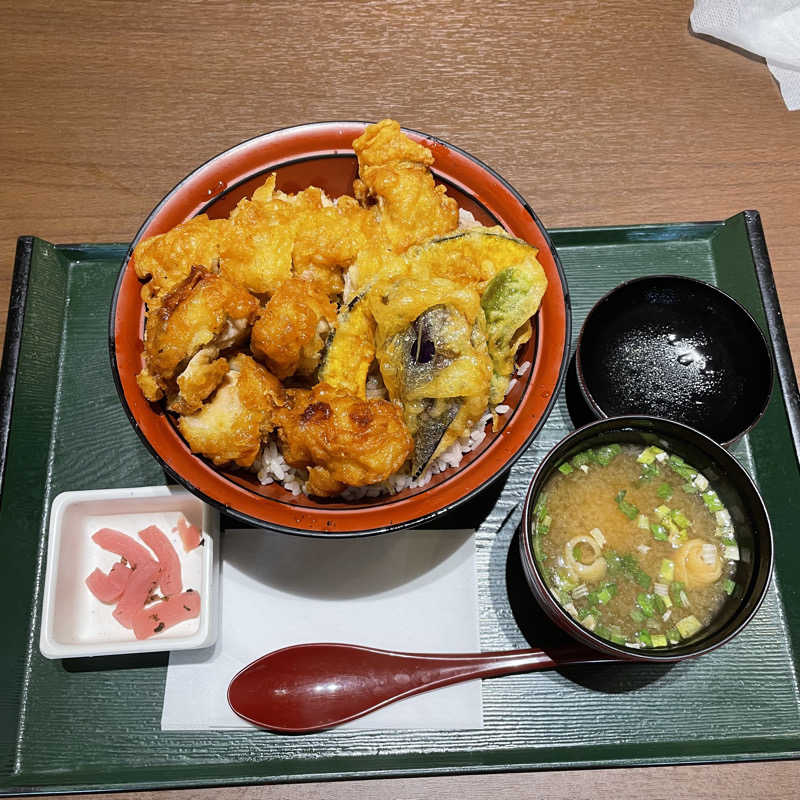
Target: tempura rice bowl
x=321, y=155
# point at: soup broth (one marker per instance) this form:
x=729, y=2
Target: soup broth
x=635, y=544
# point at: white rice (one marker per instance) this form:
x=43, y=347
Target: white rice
x=271, y=467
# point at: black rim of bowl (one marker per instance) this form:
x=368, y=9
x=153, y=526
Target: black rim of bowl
x=759, y=580
x=724, y=296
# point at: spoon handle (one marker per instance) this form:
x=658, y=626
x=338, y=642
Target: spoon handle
x=448, y=668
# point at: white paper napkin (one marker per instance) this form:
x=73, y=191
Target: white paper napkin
x=413, y=591
x=768, y=28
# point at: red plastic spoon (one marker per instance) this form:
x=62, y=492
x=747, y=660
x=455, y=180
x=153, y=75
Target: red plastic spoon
x=309, y=687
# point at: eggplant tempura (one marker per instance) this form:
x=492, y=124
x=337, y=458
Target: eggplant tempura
x=332, y=344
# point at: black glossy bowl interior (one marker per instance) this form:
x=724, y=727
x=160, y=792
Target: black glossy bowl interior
x=678, y=348
x=735, y=489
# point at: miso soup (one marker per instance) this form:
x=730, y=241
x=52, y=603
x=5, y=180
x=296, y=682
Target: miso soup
x=635, y=544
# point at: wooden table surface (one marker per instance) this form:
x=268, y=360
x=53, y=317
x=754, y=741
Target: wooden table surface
x=599, y=112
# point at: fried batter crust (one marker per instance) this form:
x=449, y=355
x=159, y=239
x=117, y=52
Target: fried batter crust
x=168, y=259
x=394, y=178
x=290, y=331
x=342, y=439
x=198, y=312
x=232, y=425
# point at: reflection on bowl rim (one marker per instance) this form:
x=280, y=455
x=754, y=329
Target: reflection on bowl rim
x=284, y=146
x=749, y=603
x=595, y=407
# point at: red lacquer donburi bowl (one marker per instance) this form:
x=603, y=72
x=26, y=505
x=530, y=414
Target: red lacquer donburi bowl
x=321, y=154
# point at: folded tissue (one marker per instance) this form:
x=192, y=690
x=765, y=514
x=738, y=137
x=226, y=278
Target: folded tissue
x=768, y=28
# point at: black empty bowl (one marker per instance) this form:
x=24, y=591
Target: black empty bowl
x=677, y=348
x=736, y=490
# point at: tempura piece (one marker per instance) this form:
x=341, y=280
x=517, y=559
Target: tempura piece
x=204, y=310
x=328, y=240
x=291, y=329
x=343, y=440
x=257, y=250
x=431, y=348
x=168, y=259
x=394, y=176
x=351, y=350
x=202, y=375
x=232, y=425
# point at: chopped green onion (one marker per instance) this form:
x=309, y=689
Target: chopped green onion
x=701, y=482
x=540, y=508
x=644, y=638
x=723, y=518
x=676, y=536
x=628, y=509
x=648, y=455
x=645, y=602
x=642, y=522
x=543, y=527
x=604, y=595
x=659, y=604
x=663, y=512
x=649, y=471
x=678, y=465
x=684, y=600
x=643, y=579
x=601, y=630
x=665, y=491
x=584, y=458
x=728, y=586
x=713, y=503
x=731, y=552
x=659, y=532
x=589, y=622
x=680, y=519
x=565, y=468
x=606, y=454
x=636, y=615
x=667, y=571
x=688, y=626
x=674, y=636
x=626, y=566
x=564, y=581
x=658, y=640
x=580, y=591
x=690, y=488
x=540, y=555
x=675, y=589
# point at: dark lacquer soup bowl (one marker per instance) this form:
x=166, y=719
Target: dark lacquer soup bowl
x=730, y=491
x=321, y=154
x=675, y=347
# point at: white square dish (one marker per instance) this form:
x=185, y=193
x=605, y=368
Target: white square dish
x=74, y=622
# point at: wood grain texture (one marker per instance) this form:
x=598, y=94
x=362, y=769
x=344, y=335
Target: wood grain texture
x=598, y=112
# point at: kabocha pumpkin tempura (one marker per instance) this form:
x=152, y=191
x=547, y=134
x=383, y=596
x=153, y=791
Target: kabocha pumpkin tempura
x=349, y=346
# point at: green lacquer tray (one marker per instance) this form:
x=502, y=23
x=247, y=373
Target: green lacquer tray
x=94, y=724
